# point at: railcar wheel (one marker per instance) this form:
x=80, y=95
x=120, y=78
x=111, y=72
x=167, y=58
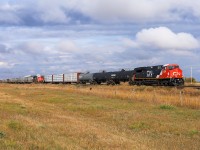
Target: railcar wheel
x=111, y=82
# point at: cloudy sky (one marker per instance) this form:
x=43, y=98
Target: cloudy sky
x=60, y=36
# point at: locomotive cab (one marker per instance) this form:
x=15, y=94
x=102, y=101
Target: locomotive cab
x=172, y=73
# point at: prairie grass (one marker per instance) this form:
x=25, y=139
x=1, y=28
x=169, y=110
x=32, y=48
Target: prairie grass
x=98, y=117
x=187, y=97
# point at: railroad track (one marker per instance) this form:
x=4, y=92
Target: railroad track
x=181, y=87
x=189, y=86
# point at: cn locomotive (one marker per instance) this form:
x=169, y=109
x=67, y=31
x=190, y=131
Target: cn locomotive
x=169, y=74
x=166, y=75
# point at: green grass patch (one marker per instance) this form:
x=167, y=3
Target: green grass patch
x=139, y=126
x=15, y=125
x=167, y=107
x=2, y=134
x=193, y=132
x=14, y=108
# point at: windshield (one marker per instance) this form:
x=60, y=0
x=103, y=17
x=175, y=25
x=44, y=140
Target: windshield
x=172, y=67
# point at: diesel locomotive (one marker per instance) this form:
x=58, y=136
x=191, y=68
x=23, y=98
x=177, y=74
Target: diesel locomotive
x=169, y=74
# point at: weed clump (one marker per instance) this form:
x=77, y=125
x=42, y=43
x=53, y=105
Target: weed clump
x=167, y=107
x=139, y=126
x=2, y=134
x=193, y=132
x=15, y=125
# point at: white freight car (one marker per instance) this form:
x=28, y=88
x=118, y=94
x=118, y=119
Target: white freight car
x=48, y=78
x=58, y=78
x=71, y=77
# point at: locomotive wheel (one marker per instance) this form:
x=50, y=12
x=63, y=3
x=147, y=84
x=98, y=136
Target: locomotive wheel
x=131, y=83
x=138, y=83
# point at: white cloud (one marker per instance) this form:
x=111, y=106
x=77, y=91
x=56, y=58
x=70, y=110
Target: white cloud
x=164, y=39
x=127, y=10
x=134, y=11
x=61, y=11
x=66, y=46
x=8, y=13
x=129, y=43
x=61, y=42
x=31, y=47
x=4, y=65
x=51, y=12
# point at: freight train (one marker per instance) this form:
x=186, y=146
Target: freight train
x=166, y=75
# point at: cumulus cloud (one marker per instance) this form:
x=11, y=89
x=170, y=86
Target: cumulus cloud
x=162, y=38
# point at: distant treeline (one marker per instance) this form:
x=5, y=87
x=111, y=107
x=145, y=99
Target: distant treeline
x=188, y=79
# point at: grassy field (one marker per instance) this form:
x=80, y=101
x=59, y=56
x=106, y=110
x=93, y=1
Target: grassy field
x=98, y=117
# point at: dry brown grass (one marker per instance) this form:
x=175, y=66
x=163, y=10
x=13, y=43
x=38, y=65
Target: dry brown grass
x=187, y=97
x=97, y=117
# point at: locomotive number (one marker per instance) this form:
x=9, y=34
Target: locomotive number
x=149, y=74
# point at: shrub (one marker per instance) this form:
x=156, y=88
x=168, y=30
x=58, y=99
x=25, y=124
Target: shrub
x=188, y=80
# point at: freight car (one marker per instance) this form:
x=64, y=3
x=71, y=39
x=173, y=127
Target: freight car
x=87, y=78
x=110, y=78
x=169, y=74
x=62, y=78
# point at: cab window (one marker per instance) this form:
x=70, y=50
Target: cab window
x=170, y=67
x=176, y=67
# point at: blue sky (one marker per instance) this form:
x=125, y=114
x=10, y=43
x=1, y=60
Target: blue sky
x=49, y=37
